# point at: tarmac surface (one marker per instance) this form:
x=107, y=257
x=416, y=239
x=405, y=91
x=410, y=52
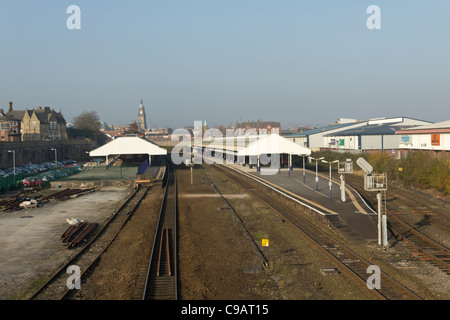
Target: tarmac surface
x=354, y=212
x=30, y=244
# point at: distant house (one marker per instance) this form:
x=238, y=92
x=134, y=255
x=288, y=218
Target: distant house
x=261, y=127
x=40, y=124
x=9, y=128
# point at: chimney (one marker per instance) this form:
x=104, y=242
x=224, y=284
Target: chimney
x=10, y=107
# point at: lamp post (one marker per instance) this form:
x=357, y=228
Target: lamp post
x=330, y=163
x=290, y=165
x=14, y=163
x=304, y=173
x=56, y=157
x=317, y=169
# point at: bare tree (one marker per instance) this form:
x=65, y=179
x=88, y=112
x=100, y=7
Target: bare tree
x=87, y=120
x=87, y=125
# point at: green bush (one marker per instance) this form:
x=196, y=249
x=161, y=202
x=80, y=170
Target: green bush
x=417, y=169
x=382, y=162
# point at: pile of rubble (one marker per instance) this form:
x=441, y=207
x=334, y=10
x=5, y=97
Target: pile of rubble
x=20, y=202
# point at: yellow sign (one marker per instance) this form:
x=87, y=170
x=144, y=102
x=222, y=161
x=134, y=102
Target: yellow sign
x=265, y=242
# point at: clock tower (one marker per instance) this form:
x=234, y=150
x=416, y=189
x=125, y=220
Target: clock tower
x=142, y=120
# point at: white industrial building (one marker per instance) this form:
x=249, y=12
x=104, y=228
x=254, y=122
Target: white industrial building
x=314, y=138
x=432, y=137
x=375, y=135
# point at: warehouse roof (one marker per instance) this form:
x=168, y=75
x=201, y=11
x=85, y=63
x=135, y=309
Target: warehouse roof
x=128, y=145
x=377, y=129
x=438, y=127
x=321, y=129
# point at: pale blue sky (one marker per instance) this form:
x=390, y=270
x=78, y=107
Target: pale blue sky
x=297, y=62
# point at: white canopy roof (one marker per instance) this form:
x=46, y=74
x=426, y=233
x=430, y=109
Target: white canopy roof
x=254, y=145
x=273, y=144
x=128, y=145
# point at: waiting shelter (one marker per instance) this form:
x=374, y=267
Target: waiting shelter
x=253, y=148
x=128, y=146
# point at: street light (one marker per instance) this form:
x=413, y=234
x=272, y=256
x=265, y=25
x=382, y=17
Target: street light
x=14, y=163
x=56, y=157
x=317, y=169
x=330, y=162
x=304, y=173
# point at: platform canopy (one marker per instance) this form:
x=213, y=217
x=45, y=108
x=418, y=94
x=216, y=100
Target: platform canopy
x=273, y=144
x=255, y=145
x=128, y=145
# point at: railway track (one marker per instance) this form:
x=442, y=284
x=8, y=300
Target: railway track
x=427, y=213
x=162, y=274
x=347, y=260
x=427, y=249
x=56, y=288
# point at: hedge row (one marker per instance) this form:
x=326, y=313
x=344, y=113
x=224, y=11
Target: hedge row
x=417, y=169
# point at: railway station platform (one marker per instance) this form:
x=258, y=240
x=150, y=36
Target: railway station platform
x=354, y=213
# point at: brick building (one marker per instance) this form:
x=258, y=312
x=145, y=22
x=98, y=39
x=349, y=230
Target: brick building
x=9, y=128
x=39, y=124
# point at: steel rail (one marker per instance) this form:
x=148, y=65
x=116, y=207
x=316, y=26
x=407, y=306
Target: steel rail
x=164, y=199
x=159, y=284
x=400, y=230
x=356, y=266
x=403, y=194
x=60, y=273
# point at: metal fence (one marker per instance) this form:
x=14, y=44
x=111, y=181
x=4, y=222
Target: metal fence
x=10, y=182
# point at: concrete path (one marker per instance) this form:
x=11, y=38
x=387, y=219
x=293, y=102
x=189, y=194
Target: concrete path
x=30, y=244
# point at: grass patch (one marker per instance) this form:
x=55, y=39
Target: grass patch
x=32, y=288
